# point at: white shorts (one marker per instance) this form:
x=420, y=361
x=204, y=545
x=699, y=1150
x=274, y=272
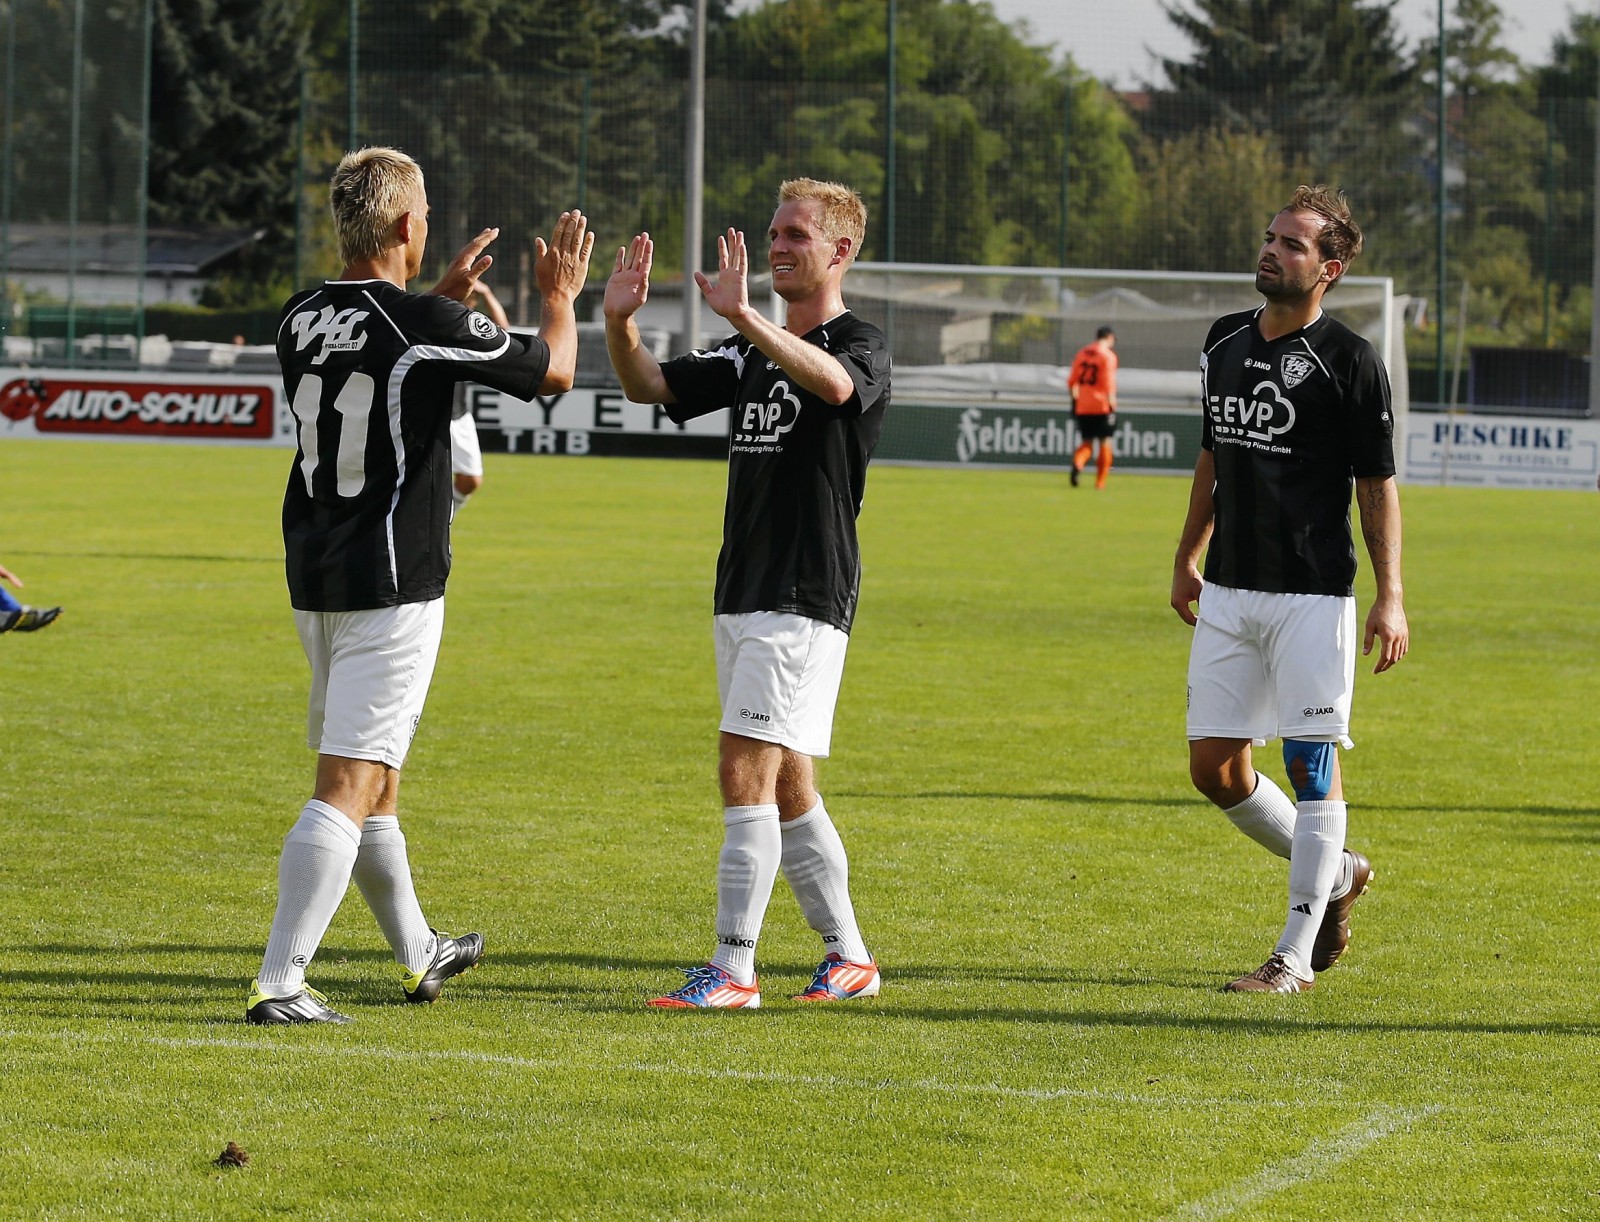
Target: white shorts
x=1272, y=665
x=370, y=672
x=465, y=456
x=779, y=676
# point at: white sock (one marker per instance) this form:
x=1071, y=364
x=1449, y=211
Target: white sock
x=1266, y=816
x=1313, y=870
x=746, y=868
x=1346, y=879
x=384, y=876
x=457, y=500
x=313, y=875
x=819, y=874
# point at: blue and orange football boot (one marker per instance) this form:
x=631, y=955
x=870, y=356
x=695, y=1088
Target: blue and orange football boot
x=838, y=979
x=711, y=988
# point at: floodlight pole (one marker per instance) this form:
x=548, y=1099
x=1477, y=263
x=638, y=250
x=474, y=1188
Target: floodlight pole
x=142, y=235
x=694, y=177
x=1439, y=338
x=1594, y=320
x=73, y=148
x=355, y=61
x=5, y=171
x=890, y=168
x=300, y=184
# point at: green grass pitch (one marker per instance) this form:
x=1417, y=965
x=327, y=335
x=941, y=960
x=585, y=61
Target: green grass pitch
x=1053, y=907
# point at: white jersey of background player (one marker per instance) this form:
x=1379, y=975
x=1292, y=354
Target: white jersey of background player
x=807, y=403
x=466, y=457
x=371, y=371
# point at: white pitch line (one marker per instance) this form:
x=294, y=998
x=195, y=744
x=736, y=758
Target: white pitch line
x=1037, y=1094
x=1316, y=1159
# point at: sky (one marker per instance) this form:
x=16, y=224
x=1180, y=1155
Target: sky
x=1121, y=41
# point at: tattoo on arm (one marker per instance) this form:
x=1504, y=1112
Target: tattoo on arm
x=1382, y=546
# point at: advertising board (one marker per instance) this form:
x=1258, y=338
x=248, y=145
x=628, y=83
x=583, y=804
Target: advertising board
x=1501, y=451
x=72, y=403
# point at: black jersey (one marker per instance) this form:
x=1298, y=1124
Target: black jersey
x=1291, y=423
x=370, y=370
x=797, y=469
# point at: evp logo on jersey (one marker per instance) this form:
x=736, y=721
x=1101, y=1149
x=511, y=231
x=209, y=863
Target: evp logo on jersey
x=336, y=330
x=759, y=425
x=1266, y=414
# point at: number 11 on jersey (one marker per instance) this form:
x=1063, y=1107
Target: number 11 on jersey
x=354, y=405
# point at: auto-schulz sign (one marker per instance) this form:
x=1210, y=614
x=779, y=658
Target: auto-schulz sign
x=136, y=407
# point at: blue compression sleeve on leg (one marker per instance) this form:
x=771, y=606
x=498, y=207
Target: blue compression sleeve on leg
x=1317, y=761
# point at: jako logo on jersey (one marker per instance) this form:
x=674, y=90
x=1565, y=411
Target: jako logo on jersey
x=1296, y=369
x=335, y=330
x=1257, y=418
x=1324, y=711
x=481, y=325
x=766, y=422
x=749, y=716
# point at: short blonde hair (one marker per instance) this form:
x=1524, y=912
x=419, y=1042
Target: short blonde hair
x=843, y=213
x=371, y=190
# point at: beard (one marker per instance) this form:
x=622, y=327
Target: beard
x=1283, y=288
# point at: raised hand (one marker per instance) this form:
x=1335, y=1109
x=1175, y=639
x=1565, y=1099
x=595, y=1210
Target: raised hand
x=561, y=268
x=629, y=286
x=730, y=295
x=460, y=279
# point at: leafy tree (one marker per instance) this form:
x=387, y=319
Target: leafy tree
x=980, y=129
x=108, y=113
x=1498, y=141
x=518, y=109
x=224, y=98
x=1328, y=85
x=1567, y=90
x=1211, y=193
x=1314, y=72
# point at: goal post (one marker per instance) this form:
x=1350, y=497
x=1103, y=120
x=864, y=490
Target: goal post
x=981, y=353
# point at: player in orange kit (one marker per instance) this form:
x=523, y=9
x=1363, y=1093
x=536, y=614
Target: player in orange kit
x=1092, y=382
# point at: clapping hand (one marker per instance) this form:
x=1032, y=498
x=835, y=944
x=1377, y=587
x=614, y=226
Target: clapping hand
x=730, y=295
x=562, y=267
x=460, y=279
x=629, y=286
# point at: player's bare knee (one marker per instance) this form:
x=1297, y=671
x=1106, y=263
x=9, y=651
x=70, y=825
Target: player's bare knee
x=747, y=770
x=466, y=485
x=797, y=791
x=1311, y=768
x=1214, y=783
x=1220, y=769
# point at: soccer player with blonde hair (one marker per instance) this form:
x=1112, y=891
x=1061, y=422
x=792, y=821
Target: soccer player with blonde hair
x=371, y=371
x=806, y=403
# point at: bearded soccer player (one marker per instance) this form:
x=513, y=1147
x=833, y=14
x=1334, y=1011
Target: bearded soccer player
x=1296, y=410
x=371, y=371
x=807, y=404
x=1092, y=383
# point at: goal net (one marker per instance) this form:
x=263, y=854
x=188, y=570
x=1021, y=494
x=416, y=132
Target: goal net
x=981, y=354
